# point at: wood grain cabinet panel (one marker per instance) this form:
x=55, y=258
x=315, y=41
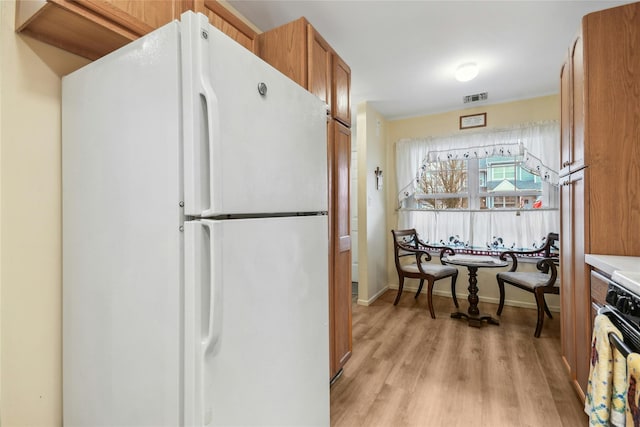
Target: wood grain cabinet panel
x=140, y=17
x=599, y=286
x=340, y=286
x=223, y=19
x=567, y=293
x=298, y=51
x=341, y=91
x=600, y=175
x=302, y=54
x=318, y=65
x=93, y=28
x=72, y=27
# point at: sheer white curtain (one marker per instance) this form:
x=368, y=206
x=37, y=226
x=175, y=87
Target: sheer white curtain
x=539, y=143
x=482, y=230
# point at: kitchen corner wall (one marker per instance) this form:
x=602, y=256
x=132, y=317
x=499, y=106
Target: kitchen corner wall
x=30, y=226
x=372, y=204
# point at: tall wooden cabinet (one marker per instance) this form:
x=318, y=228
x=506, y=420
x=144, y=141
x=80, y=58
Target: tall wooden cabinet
x=600, y=165
x=300, y=52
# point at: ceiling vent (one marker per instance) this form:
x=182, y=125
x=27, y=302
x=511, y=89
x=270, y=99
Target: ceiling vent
x=476, y=97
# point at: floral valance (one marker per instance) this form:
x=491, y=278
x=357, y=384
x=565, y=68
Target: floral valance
x=538, y=143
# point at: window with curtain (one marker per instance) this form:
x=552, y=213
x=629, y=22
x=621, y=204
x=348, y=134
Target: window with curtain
x=486, y=190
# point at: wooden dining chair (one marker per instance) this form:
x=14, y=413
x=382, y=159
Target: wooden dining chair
x=545, y=281
x=406, y=243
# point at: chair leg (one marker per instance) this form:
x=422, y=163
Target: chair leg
x=400, y=286
x=419, y=288
x=501, y=288
x=429, y=297
x=541, y=304
x=546, y=307
x=453, y=290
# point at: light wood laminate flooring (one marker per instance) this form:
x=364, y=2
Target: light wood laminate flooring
x=410, y=370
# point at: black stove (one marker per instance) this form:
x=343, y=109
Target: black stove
x=627, y=302
x=623, y=307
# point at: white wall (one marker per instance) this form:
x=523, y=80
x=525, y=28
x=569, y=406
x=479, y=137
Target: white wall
x=372, y=205
x=30, y=226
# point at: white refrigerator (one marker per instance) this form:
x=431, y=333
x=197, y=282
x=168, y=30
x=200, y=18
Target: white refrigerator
x=195, y=238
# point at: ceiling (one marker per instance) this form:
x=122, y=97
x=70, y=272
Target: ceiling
x=403, y=54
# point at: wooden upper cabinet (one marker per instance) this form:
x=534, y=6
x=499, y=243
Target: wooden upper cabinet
x=140, y=17
x=572, y=98
x=318, y=65
x=341, y=91
x=577, y=152
x=300, y=52
x=565, y=117
x=72, y=27
x=93, y=28
x=223, y=19
x=285, y=48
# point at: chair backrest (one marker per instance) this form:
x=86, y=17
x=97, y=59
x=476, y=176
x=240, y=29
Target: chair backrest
x=552, y=239
x=406, y=237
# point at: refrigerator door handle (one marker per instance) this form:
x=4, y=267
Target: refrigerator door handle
x=209, y=105
x=201, y=116
x=203, y=291
x=214, y=314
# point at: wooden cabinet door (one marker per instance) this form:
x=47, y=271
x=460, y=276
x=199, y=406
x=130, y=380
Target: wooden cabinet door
x=565, y=117
x=575, y=292
x=567, y=289
x=341, y=91
x=138, y=16
x=340, y=287
x=581, y=272
x=285, y=49
x=612, y=55
x=577, y=152
x=221, y=18
x=318, y=65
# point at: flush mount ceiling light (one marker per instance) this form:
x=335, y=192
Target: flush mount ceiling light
x=467, y=71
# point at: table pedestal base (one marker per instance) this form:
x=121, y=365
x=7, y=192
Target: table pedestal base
x=475, y=320
x=473, y=315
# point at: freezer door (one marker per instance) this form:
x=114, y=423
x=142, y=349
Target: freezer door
x=256, y=320
x=254, y=141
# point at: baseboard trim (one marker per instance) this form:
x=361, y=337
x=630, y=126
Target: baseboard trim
x=463, y=297
x=367, y=302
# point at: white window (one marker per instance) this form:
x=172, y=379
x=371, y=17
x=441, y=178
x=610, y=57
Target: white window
x=490, y=189
x=499, y=182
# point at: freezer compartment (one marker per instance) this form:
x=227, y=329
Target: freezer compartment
x=254, y=141
x=257, y=339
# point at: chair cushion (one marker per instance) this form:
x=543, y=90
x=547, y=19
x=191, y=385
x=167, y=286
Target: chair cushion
x=436, y=270
x=527, y=280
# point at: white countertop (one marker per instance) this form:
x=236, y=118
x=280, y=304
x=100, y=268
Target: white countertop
x=624, y=270
x=611, y=263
